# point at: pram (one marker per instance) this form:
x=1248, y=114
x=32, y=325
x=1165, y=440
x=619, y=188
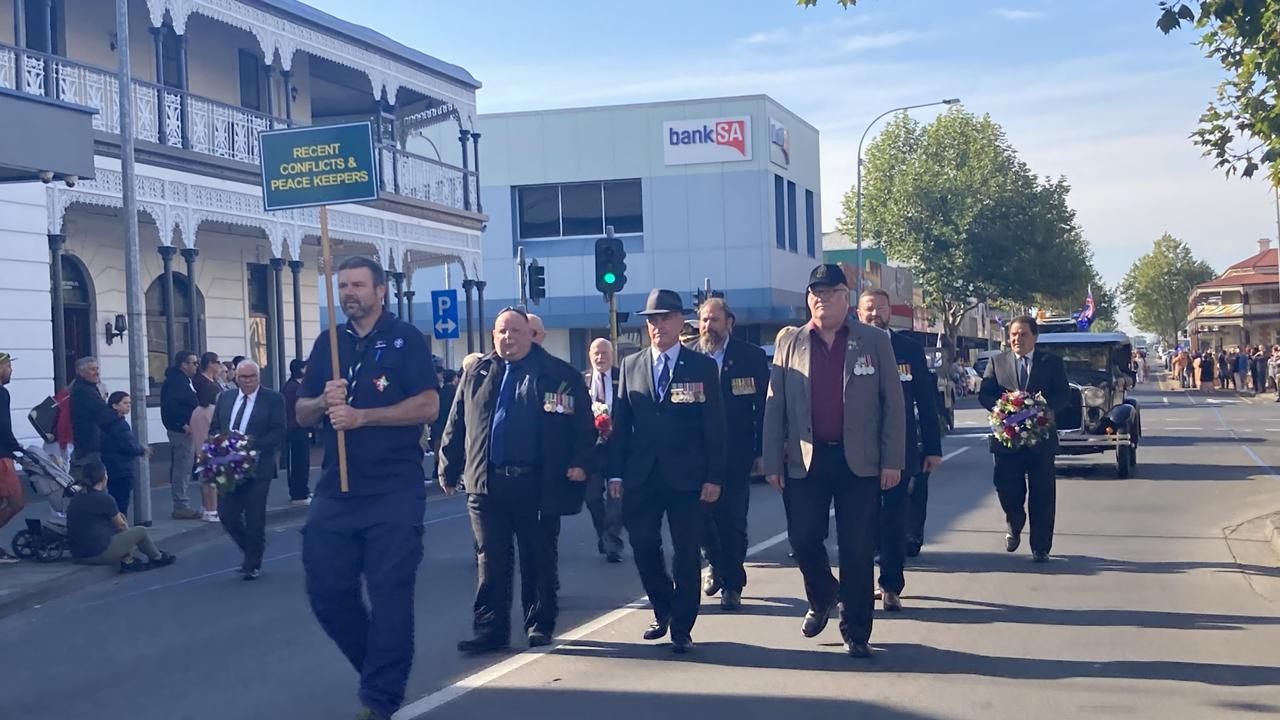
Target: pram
x=45, y=540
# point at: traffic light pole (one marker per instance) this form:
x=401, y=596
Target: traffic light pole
x=520, y=278
x=613, y=321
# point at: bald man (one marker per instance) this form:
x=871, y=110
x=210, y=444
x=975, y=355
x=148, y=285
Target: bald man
x=606, y=510
x=539, y=330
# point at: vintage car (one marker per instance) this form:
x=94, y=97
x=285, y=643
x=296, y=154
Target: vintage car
x=1101, y=417
x=936, y=359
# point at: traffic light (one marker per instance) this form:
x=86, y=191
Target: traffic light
x=537, y=282
x=611, y=266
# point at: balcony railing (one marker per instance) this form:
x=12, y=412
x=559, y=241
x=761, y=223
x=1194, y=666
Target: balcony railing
x=179, y=119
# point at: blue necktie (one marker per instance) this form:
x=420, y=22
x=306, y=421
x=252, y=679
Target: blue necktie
x=664, y=378
x=498, y=437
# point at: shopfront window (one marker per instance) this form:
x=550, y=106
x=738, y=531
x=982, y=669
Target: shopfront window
x=579, y=209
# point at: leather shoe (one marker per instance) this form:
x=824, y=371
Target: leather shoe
x=1012, y=541
x=613, y=557
x=1040, y=557
x=892, y=601
x=538, y=638
x=857, y=649
x=730, y=600
x=253, y=574
x=815, y=621
x=657, y=629
x=681, y=645
x=482, y=645
x=913, y=547
x=710, y=584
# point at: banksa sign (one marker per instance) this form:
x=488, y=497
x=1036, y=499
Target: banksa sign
x=688, y=142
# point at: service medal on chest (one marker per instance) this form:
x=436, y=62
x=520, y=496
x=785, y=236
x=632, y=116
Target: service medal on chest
x=382, y=383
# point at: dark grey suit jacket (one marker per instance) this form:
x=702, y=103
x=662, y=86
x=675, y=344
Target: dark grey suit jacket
x=1048, y=377
x=266, y=428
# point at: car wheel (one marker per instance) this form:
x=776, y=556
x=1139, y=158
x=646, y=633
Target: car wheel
x=1124, y=466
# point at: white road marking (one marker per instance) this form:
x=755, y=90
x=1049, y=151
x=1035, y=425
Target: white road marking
x=1167, y=401
x=954, y=453
x=1249, y=451
x=1183, y=428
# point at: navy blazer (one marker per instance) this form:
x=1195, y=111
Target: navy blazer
x=920, y=391
x=266, y=427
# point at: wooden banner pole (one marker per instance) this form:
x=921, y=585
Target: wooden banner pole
x=333, y=335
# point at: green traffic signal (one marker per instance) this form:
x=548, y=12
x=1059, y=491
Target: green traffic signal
x=610, y=278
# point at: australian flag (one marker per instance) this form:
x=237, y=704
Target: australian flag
x=1085, y=319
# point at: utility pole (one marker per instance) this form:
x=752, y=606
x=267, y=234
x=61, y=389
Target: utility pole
x=132, y=269
x=520, y=278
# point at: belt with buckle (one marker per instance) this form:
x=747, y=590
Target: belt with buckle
x=513, y=471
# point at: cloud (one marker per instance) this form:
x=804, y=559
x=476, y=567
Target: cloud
x=1017, y=15
x=879, y=41
x=770, y=37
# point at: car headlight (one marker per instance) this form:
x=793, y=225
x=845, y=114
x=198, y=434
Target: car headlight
x=1093, y=397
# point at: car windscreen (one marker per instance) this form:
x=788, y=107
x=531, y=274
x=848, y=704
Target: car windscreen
x=1086, y=364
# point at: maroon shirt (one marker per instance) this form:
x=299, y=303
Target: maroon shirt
x=826, y=383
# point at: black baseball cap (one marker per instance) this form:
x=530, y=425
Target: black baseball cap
x=827, y=274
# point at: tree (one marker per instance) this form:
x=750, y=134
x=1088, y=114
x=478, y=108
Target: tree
x=1241, y=127
x=952, y=201
x=1158, y=284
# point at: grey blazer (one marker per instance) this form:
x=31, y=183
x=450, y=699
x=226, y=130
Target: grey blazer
x=874, y=414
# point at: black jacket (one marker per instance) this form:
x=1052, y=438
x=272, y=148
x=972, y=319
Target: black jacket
x=600, y=461
x=9, y=446
x=1048, y=377
x=920, y=391
x=120, y=449
x=90, y=414
x=266, y=427
x=567, y=437
x=744, y=385
x=683, y=442
x=177, y=400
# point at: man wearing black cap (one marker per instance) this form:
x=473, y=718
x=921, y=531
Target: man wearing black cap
x=668, y=453
x=834, y=431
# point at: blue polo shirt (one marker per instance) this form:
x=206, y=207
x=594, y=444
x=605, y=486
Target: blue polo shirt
x=383, y=368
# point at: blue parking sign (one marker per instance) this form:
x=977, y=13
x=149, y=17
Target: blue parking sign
x=444, y=314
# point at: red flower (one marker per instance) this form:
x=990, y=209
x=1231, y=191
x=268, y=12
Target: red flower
x=1017, y=401
x=604, y=425
x=1010, y=432
x=1042, y=421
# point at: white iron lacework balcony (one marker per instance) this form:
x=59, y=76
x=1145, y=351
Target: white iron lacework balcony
x=181, y=120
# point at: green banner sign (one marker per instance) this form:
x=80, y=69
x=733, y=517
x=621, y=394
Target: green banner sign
x=321, y=165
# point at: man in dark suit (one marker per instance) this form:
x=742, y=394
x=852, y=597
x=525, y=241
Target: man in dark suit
x=744, y=383
x=668, y=454
x=922, y=429
x=519, y=439
x=259, y=414
x=1027, y=474
x=606, y=510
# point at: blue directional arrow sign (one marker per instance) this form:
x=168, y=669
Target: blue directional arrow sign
x=444, y=314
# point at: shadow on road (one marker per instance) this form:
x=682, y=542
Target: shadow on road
x=977, y=612
x=1086, y=565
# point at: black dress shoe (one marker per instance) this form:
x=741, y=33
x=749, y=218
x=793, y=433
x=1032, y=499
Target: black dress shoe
x=815, y=621
x=730, y=600
x=253, y=574
x=913, y=547
x=657, y=629
x=538, y=638
x=600, y=546
x=857, y=649
x=681, y=645
x=710, y=584
x=482, y=645
x=613, y=557
x=1040, y=557
x=1012, y=541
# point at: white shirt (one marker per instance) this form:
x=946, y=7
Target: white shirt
x=248, y=411
x=602, y=382
x=671, y=354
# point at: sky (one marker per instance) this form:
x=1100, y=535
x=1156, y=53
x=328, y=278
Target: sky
x=1086, y=89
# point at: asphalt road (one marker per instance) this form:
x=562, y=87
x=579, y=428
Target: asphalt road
x=1145, y=611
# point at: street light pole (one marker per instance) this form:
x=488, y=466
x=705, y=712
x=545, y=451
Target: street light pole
x=858, y=210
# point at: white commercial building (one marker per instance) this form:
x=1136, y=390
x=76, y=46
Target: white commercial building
x=209, y=75
x=723, y=188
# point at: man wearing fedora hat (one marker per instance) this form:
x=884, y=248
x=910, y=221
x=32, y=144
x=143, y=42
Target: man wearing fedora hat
x=834, y=432
x=668, y=455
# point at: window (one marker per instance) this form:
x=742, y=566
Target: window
x=159, y=354
x=780, y=212
x=259, y=312
x=810, y=232
x=172, y=70
x=40, y=37
x=579, y=209
x=250, y=81
x=791, y=217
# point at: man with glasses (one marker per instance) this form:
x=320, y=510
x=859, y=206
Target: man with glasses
x=834, y=432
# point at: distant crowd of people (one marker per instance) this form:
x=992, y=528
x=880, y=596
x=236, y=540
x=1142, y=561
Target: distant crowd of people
x=1249, y=368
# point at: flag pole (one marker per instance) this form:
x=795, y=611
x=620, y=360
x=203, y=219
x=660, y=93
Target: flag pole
x=333, y=335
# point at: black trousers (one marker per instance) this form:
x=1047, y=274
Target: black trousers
x=244, y=515
x=509, y=512
x=606, y=514
x=892, y=542
x=299, y=463
x=1028, y=477
x=540, y=586
x=674, y=596
x=857, y=504
x=917, y=506
x=724, y=529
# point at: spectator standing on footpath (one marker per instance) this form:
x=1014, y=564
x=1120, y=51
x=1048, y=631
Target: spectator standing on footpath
x=298, y=440
x=89, y=413
x=178, y=401
x=98, y=533
x=207, y=391
x=12, y=498
x=120, y=451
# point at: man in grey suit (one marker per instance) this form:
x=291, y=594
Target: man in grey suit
x=834, y=431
